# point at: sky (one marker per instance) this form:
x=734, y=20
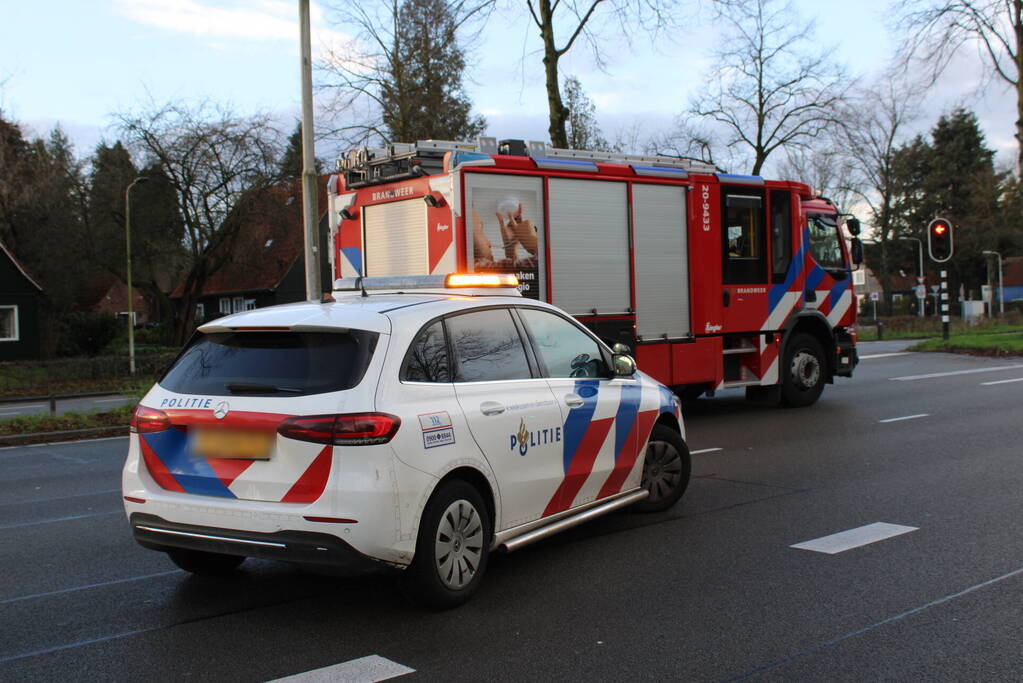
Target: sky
x=77, y=63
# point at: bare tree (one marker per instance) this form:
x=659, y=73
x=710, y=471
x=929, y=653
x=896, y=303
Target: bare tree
x=876, y=127
x=626, y=16
x=401, y=78
x=768, y=90
x=220, y=165
x=935, y=30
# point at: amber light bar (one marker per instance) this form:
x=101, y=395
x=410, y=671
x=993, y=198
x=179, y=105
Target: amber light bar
x=481, y=280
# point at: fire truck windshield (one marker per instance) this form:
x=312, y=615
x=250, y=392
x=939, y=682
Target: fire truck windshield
x=825, y=244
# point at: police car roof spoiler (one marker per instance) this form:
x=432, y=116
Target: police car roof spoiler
x=483, y=283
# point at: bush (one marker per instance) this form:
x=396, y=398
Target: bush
x=85, y=333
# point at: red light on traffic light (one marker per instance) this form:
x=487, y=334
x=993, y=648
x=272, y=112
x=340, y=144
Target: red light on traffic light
x=940, y=229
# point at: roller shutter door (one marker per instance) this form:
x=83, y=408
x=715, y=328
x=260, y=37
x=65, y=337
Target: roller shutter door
x=589, y=236
x=395, y=238
x=662, y=261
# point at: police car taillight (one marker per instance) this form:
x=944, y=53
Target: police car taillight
x=147, y=420
x=481, y=280
x=354, y=429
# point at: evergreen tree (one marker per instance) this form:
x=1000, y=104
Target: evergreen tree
x=291, y=160
x=422, y=95
x=952, y=176
x=583, y=129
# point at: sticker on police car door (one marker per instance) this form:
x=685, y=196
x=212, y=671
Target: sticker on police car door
x=437, y=429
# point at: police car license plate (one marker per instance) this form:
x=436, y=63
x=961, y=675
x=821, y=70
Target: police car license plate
x=231, y=443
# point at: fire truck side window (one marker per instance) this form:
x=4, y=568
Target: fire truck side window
x=781, y=234
x=743, y=239
x=825, y=245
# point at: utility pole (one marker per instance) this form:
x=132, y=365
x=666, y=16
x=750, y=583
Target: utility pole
x=1001, y=286
x=127, y=249
x=309, y=209
x=920, y=274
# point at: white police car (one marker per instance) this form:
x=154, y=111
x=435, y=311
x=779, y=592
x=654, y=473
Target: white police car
x=416, y=424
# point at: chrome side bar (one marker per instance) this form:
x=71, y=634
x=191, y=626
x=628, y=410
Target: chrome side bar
x=513, y=539
x=191, y=534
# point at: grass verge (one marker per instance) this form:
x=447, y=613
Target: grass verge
x=977, y=343
x=33, y=424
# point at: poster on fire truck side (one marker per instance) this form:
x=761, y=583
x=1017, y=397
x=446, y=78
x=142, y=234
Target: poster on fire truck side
x=505, y=214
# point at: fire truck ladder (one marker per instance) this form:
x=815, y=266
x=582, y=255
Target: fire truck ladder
x=399, y=160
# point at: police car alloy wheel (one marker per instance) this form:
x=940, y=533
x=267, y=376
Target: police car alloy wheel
x=666, y=470
x=452, y=549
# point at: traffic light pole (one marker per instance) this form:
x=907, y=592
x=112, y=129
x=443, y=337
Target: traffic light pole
x=944, y=305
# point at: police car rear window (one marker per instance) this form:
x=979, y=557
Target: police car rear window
x=272, y=363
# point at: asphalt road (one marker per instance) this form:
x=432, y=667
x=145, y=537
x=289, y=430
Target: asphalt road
x=711, y=590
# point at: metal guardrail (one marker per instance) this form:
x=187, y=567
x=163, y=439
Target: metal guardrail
x=52, y=399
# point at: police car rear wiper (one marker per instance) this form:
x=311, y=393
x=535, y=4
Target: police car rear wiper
x=252, y=388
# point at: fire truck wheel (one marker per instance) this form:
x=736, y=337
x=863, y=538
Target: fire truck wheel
x=452, y=548
x=666, y=469
x=804, y=369
x=204, y=563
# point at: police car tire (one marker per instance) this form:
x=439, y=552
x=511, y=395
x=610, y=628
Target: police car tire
x=205, y=563
x=422, y=583
x=793, y=393
x=675, y=471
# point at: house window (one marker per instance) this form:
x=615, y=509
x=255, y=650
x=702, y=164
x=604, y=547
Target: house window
x=250, y=304
x=224, y=305
x=200, y=313
x=238, y=304
x=896, y=297
x=134, y=316
x=9, y=323
x=859, y=277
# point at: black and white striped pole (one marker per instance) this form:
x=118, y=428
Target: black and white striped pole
x=944, y=305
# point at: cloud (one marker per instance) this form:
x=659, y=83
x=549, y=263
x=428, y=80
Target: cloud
x=264, y=20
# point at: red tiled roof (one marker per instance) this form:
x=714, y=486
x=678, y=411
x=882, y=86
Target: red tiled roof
x=267, y=248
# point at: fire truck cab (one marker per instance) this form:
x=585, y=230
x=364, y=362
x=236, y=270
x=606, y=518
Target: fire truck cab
x=712, y=280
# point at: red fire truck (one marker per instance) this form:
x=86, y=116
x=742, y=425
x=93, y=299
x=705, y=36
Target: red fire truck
x=712, y=280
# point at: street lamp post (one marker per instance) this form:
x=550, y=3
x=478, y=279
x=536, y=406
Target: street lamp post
x=920, y=273
x=1001, y=287
x=127, y=249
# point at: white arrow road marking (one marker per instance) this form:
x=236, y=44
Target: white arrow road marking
x=705, y=450
x=362, y=670
x=906, y=417
x=854, y=538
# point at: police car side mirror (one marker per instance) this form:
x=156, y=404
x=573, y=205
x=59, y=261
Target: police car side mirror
x=625, y=366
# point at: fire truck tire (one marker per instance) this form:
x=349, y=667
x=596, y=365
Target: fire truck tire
x=666, y=470
x=804, y=369
x=451, y=550
x=205, y=563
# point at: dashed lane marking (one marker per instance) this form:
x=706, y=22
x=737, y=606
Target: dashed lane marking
x=886, y=355
x=362, y=670
x=877, y=624
x=910, y=378
x=705, y=450
x=101, y=584
x=854, y=538
x=58, y=519
x=905, y=417
x=1001, y=381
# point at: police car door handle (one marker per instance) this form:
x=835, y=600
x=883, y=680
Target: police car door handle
x=491, y=408
x=573, y=400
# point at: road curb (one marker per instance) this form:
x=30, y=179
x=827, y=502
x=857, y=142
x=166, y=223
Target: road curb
x=67, y=435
